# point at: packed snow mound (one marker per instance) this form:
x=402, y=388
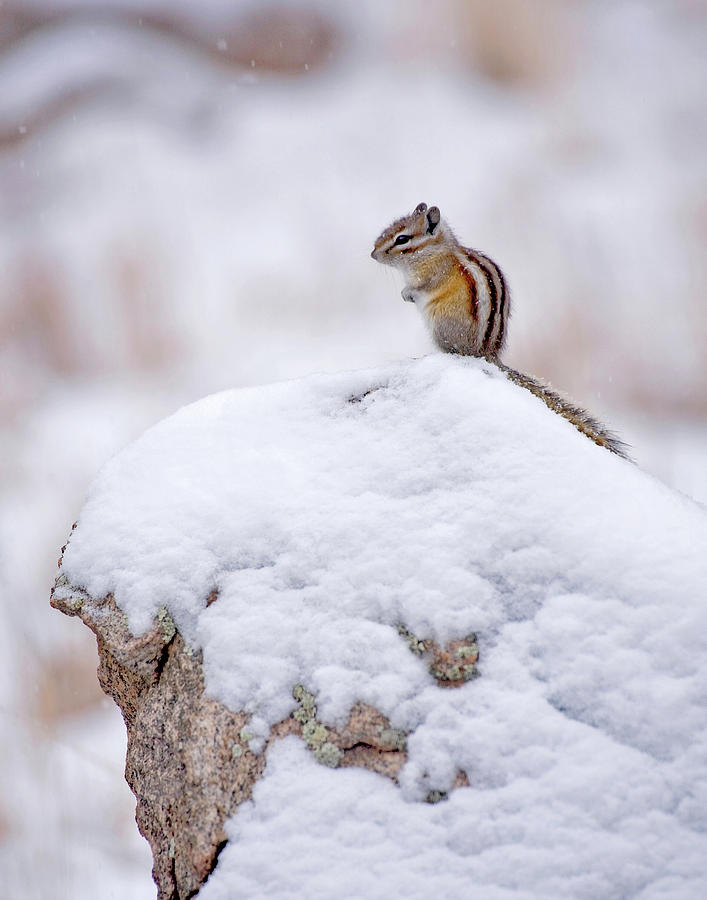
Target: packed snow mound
x=436, y=494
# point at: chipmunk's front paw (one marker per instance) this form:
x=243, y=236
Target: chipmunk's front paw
x=409, y=295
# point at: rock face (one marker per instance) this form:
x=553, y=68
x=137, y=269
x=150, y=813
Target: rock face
x=185, y=762
x=188, y=761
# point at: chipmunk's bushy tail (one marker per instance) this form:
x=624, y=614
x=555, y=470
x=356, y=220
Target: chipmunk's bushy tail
x=579, y=417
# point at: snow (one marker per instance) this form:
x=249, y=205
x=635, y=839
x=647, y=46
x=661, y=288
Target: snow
x=435, y=493
x=317, y=833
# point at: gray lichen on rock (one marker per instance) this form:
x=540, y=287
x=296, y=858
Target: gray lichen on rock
x=393, y=739
x=307, y=707
x=451, y=665
x=328, y=754
x=416, y=645
x=314, y=733
x=169, y=629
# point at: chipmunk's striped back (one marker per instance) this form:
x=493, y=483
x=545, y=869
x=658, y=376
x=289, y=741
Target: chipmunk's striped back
x=465, y=301
x=493, y=301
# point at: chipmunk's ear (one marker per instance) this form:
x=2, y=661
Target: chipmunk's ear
x=433, y=218
x=420, y=209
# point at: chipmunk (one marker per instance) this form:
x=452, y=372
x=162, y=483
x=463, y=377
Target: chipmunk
x=464, y=298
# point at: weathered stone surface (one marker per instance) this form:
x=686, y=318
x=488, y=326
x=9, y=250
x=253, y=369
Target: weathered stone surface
x=188, y=760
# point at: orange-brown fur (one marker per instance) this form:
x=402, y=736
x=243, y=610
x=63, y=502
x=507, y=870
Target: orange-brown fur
x=452, y=298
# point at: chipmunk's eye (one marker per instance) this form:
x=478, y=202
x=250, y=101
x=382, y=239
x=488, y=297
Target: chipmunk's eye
x=402, y=239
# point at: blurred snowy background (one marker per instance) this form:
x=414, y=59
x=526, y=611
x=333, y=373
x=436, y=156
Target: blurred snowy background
x=188, y=197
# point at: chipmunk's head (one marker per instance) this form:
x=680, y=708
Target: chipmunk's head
x=409, y=237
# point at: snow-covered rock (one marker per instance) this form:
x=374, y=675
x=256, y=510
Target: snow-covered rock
x=322, y=518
